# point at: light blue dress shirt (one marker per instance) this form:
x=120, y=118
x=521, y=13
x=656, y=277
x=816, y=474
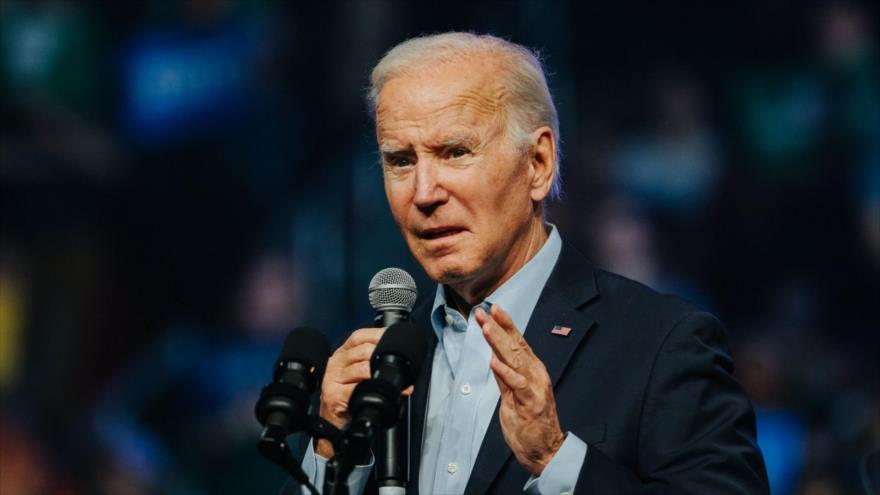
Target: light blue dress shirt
x=463, y=392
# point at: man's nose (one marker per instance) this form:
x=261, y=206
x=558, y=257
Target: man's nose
x=430, y=192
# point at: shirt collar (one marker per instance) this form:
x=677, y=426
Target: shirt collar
x=519, y=294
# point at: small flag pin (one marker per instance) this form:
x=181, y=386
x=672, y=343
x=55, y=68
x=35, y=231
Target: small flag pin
x=560, y=330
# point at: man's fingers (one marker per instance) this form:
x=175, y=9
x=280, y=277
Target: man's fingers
x=510, y=348
x=482, y=317
x=360, y=336
x=495, y=336
x=509, y=377
x=500, y=317
x=362, y=352
x=502, y=387
x=503, y=319
x=353, y=373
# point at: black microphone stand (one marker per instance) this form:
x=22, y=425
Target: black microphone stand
x=352, y=446
x=374, y=405
x=273, y=446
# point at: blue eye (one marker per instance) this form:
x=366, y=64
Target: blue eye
x=457, y=152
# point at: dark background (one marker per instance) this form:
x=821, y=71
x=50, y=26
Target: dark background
x=183, y=182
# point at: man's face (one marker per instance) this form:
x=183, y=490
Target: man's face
x=458, y=187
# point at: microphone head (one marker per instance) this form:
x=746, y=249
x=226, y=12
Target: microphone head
x=307, y=346
x=405, y=340
x=393, y=289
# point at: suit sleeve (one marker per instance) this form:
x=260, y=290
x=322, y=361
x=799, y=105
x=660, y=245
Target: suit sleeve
x=697, y=427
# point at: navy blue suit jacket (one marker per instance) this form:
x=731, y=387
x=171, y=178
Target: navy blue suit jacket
x=645, y=379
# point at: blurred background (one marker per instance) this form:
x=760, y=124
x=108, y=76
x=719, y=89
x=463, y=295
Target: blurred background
x=183, y=182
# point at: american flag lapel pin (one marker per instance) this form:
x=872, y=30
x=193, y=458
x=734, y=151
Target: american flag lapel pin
x=560, y=330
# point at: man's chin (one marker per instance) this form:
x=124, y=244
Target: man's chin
x=448, y=265
x=445, y=274
x=452, y=277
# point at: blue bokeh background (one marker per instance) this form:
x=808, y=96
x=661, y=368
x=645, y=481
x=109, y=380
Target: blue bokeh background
x=183, y=182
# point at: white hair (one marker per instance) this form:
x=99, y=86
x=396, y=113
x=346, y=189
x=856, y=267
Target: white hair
x=528, y=104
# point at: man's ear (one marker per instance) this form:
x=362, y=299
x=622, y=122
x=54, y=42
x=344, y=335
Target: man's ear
x=542, y=163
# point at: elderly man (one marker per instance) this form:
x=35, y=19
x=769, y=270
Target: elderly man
x=547, y=375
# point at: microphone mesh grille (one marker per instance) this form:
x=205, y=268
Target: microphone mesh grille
x=393, y=288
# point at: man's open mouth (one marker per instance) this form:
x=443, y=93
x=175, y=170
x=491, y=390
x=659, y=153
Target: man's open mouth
x=440, y=232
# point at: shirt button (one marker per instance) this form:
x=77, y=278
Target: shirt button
x=452, y=467
x=466, y=389
x=450, y=320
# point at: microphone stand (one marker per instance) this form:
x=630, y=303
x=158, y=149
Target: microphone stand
x=273, y=446
x=392, y=463
x=351, y=446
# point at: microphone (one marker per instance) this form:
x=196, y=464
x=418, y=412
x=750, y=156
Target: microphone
x=283, y=405
x=392, y=294
x=375, y=403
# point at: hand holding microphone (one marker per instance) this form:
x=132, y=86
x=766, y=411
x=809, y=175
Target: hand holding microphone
x=347, y=367
x=392, y=294
x=361, y=390
x=375, y=403
x=363, y=387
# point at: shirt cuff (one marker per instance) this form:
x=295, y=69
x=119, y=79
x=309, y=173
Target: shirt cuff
x=315, y=465
x=560, y=476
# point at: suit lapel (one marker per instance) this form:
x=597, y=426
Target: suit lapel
x=570, y=286
x=419, y=399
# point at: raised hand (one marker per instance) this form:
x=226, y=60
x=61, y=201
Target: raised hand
x=527, y=409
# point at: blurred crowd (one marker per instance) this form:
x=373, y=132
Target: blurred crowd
x=181, y=183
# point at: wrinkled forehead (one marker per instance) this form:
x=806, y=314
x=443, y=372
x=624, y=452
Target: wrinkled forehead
x=467, y=93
